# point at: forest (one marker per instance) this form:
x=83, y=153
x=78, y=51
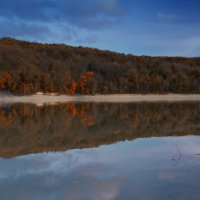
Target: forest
x=27, y=68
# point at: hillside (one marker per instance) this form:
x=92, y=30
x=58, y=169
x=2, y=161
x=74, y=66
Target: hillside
x=26, y=68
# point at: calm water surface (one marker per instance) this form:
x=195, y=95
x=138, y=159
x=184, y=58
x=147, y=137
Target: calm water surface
x=89, y=151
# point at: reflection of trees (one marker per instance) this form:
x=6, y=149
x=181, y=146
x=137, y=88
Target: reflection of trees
x=28, y=128
x=81, y=112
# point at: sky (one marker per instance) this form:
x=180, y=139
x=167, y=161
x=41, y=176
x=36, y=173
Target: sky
x=139, y=27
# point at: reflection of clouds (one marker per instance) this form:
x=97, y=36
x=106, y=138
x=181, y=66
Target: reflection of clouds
x=92, y=153
x=100, y=173
x=104, y=191
x=190, y=145
x=76, y=174
x=140, y=154
x=80, y=183
x=166, y=175
x=95, y=182
x=40, y=163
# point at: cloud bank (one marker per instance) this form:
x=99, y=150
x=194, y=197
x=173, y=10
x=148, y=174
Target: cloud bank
x=107, y=24
x=47, y=18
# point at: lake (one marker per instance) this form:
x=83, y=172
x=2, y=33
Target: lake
x=100, y=151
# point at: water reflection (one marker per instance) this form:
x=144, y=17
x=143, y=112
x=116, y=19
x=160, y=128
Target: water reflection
x=140, y=169
x=26, y=128
x=101, y=151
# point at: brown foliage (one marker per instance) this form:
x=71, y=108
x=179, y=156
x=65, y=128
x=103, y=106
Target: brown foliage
x=28, y=128
x=26, y=68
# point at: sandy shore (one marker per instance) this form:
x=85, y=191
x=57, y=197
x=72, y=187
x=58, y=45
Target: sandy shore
x=115, y=98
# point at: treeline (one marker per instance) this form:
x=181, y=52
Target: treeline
x=27, y=68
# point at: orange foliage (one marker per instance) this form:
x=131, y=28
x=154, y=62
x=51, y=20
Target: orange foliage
x=73, y=87
x=2, y=84
x=90, y=122
x=81, y=85
x=90, y=74
x=82, y=113
x=5, y=80
x=72, y=108
x=6, y=119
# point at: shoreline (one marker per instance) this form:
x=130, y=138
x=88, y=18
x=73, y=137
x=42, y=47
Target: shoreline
x=111, y=98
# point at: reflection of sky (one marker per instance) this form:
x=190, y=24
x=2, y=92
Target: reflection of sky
x=142, y=169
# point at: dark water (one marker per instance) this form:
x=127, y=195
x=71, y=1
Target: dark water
x=89, y=151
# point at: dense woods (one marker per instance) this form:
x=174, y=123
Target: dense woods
x=27, y=128
x=27, y=68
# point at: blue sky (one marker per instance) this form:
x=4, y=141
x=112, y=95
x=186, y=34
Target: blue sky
x=140, y=27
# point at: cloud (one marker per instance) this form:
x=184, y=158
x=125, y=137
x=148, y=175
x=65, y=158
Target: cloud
x=88, y=39
x=59, y=21
x=23, y=29
x=42, y=32
x=87, y=14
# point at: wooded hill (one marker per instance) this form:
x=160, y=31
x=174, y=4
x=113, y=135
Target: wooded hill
x=27, y=68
